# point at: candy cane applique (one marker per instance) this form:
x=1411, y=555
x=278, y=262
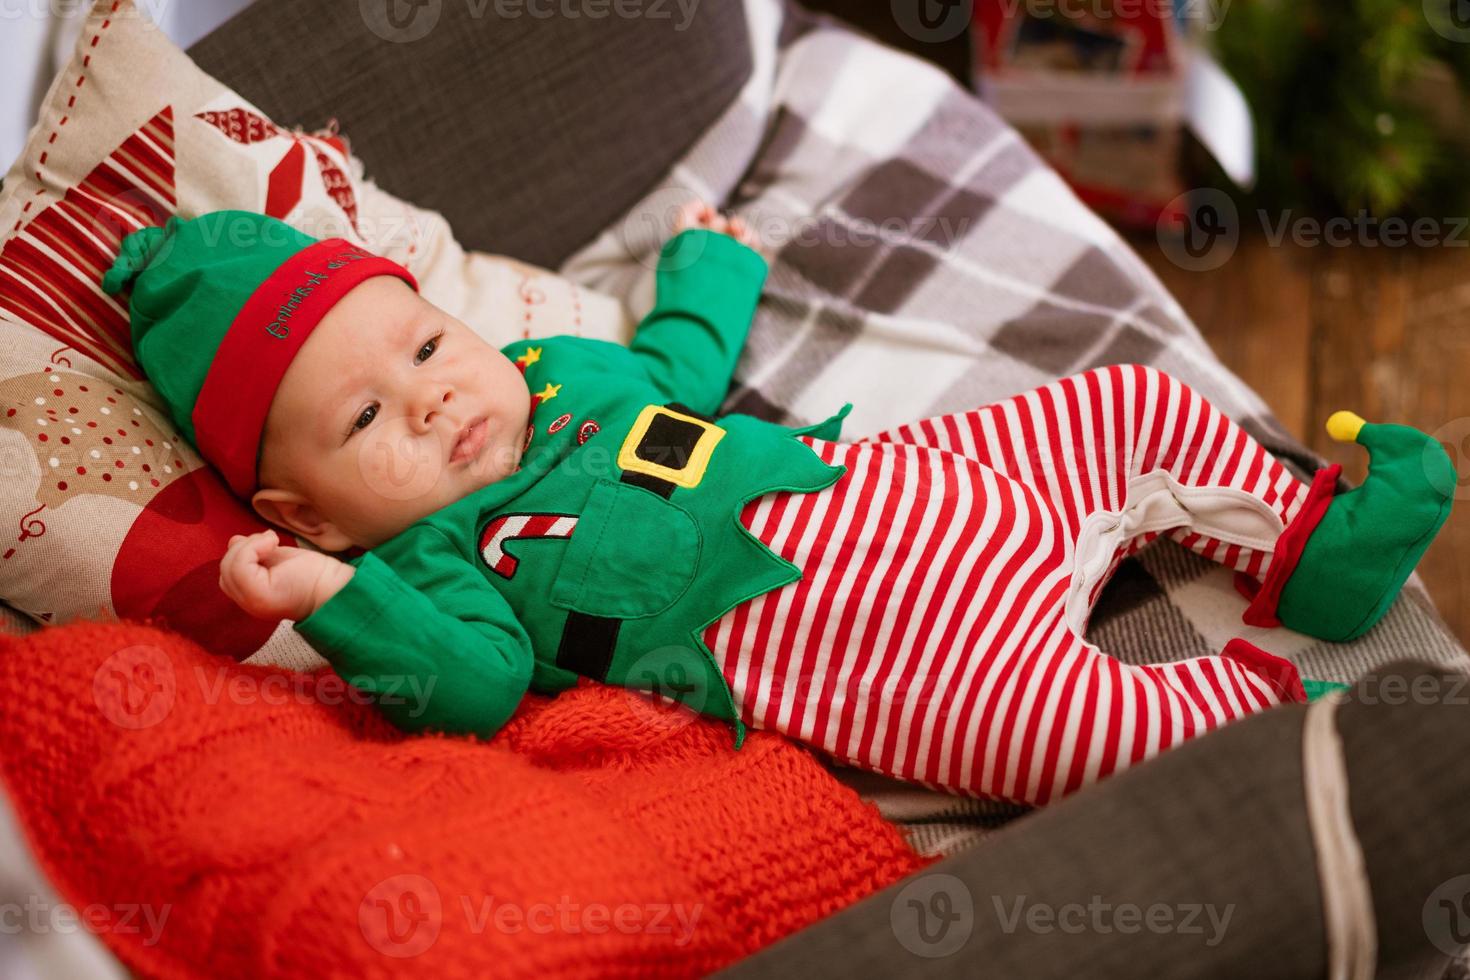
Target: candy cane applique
x=510, y=527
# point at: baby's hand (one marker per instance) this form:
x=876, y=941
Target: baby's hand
x=274, y=581
x=699, y=214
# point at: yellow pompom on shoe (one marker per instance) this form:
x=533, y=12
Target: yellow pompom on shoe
x=1344, y=426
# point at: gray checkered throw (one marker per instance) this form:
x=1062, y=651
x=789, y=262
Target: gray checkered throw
x=924, y=260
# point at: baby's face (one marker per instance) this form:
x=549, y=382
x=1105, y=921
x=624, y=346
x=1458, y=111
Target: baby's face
x=391, y=410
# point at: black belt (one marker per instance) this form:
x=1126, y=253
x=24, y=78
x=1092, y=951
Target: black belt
x=668, y=447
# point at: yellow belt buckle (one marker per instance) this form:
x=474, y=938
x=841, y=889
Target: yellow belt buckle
x=673, y=431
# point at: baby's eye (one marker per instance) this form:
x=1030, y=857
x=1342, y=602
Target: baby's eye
x=366, y=418
x=431, y=346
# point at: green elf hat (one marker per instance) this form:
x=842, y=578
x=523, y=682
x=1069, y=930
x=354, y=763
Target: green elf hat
x=220, y=305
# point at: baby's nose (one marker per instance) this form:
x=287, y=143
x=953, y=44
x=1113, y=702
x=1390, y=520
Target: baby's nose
x=444, y=399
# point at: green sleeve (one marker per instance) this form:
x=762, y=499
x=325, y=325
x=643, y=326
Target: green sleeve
x=708, y=285
x=444, y=654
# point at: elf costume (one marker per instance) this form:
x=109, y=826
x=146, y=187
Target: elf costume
x=913, y=603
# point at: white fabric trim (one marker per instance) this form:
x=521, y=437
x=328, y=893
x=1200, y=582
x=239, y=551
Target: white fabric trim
x=1347, y=897
x=1156, y=502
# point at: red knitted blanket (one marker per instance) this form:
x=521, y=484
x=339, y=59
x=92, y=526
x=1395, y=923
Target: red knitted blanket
x=266, y=824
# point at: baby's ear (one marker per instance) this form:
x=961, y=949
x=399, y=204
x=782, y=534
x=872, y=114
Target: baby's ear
x=297, y=514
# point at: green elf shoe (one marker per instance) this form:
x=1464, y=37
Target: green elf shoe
x=1343, y=560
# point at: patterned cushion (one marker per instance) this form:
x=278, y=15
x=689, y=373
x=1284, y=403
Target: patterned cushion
x=111, y=514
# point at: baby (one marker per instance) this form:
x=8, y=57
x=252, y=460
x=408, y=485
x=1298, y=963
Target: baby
x=913, y=603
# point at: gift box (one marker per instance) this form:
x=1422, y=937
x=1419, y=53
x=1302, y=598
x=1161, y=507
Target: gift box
x=1104, y=89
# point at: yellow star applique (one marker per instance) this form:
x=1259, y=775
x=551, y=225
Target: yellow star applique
x=549, y=392
x=531, y=356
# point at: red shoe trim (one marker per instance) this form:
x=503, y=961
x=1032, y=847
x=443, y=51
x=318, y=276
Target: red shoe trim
x=1279, y=672
x=1262, y=610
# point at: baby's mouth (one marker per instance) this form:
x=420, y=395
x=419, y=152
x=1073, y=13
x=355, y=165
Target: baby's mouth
x=471, y=441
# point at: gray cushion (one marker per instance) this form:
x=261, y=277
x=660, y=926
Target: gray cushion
x=529, y=133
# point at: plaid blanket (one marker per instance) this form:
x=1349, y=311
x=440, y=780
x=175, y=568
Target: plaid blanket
x=925, y=260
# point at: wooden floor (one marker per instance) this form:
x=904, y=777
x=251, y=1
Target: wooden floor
x=1382, y=331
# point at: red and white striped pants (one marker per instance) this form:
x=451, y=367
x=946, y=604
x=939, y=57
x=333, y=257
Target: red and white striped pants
x=936, y=634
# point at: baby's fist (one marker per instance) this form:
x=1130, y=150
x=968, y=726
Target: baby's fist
x=699, y=214
x=270, y=580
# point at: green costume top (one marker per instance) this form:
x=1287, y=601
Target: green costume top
x=616, y=542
